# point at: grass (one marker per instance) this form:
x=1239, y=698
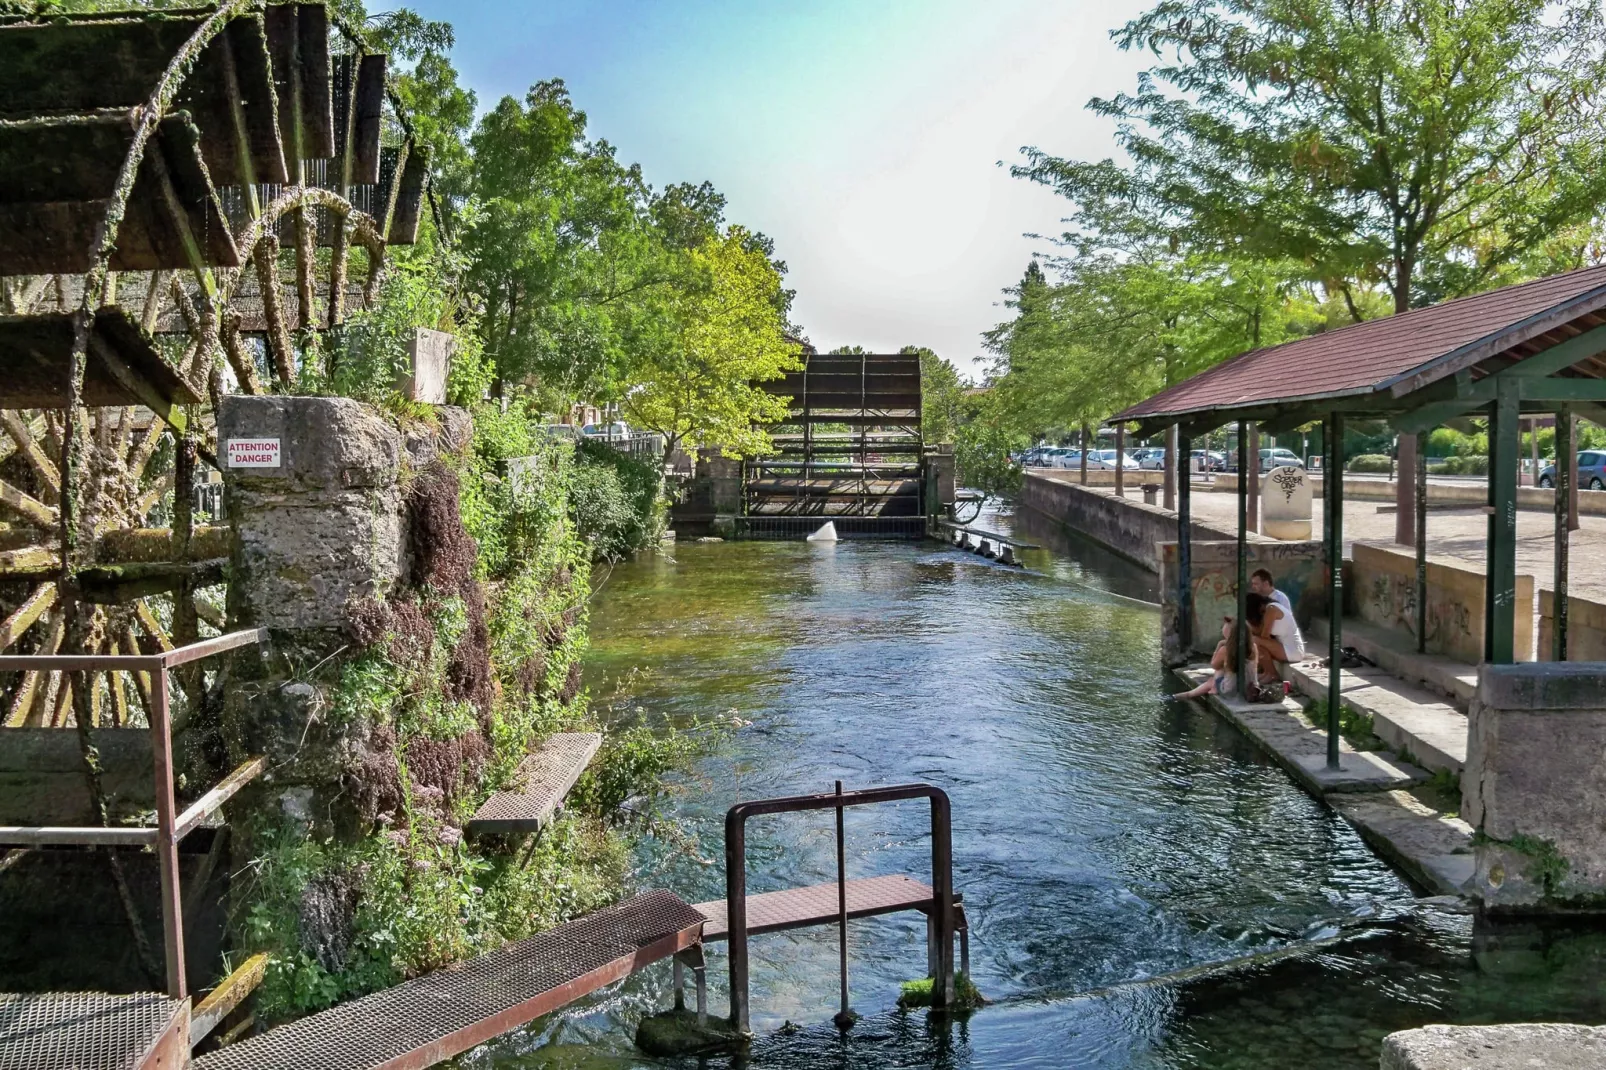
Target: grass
x=1355, y=727
x=918, y=994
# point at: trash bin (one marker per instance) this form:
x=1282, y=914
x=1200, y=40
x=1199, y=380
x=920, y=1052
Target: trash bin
x=1150, y=492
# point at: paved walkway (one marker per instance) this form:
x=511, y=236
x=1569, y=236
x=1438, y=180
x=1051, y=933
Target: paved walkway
x=1455, y=532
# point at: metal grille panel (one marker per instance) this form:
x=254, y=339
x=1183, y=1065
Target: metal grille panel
x=816, y=904
x=82, y=1030
x=434, y=1017
x=544, y=779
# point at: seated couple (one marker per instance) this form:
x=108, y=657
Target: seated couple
x=1273, y=638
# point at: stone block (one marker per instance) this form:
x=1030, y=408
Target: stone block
x=1535, y=784
x=1285, y=504
x=1382, y=585
x=324, y=443
x=1586, y=627
x=1496, y=1047
x=323, y=527
x=430, y=356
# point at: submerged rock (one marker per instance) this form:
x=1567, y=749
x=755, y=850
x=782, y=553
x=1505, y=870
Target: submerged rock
x=678, y=1033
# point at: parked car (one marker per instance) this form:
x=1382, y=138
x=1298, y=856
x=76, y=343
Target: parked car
x=1152, y=458
x=1210, y=460
x=1591, y=471
x=617, y=429
x=1269, y=459
x=1106, y=459
x=1063, y=457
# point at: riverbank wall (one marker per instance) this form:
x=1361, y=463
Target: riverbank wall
x=1128, y=528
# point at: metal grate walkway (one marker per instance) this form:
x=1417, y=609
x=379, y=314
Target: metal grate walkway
x=92, y=1031
x=544, y=778
x=432, y=1018
x=796, y=908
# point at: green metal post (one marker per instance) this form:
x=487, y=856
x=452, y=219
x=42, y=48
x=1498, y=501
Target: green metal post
x=1500, y=581
x=1241, y=623
x=1184, y=453
x=1421, y=543
x=1333, y=529
x=1564, y=486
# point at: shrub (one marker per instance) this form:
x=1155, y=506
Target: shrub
x=617, y=501
x=1466, y=466
x=1369, y=462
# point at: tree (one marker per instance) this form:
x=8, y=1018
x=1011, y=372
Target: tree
x=697, y=385
x=1424, y=146
x=942, y=396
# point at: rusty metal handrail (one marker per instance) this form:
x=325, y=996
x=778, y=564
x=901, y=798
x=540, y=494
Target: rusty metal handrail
x=170, y=826
x=942, y=878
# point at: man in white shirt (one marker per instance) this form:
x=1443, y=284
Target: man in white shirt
x=1283, y=631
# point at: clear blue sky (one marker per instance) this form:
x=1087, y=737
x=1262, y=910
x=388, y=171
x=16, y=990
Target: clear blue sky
x=862, y=135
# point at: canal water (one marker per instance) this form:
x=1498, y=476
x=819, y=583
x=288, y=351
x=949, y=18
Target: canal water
x=1106, y=838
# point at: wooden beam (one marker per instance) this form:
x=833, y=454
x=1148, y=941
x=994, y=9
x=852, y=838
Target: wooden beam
x=28, y=507
x=28, y=561
x=20, y=433
x=228, y=995
x=22, y=618
x=226, y=789
x=167, y=410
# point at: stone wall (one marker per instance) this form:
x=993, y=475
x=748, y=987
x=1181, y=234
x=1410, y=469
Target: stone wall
x=1129, y=528
x=1586, y=628
x=324, y=532
x=1541, y=1045
x=1299, y=569
x=1381, y=590
x=1099, y=477
x=1535, y=785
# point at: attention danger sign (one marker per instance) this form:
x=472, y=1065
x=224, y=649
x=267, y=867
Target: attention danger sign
x=253, y=453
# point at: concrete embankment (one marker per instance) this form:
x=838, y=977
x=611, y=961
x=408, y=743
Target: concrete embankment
x=1459, y=1047
x=1129, y=528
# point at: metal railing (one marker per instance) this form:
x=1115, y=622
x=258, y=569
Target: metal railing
x=171, y=827
x=942, y=878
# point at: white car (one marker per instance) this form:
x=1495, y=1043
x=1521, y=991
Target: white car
x=1106, y=459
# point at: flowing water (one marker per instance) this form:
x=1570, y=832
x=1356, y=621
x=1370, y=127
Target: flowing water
x=1103, y=834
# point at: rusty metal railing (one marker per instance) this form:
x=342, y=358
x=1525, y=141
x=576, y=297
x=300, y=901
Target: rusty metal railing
x=942, y=878
x=171, y=827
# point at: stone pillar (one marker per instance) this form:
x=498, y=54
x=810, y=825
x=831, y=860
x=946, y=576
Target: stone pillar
x=1535, y=785
x=322, y=525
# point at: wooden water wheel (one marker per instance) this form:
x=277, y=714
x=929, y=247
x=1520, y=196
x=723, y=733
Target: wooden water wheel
x=186, y=201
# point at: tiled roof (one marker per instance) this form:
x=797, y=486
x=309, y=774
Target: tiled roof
x=1371, y=356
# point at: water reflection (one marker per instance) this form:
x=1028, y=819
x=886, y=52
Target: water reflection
x=1101, y=832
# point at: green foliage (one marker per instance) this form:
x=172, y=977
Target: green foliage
x=1463, y=466
x=697, y=383
x=1547, y=866
x=617, y=502
x=942, y=397
x=967, y=996
x=983, y=443
x=1359, y=142
x=1370, y=463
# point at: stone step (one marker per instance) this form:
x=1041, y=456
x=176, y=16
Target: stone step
x=1396, y=653
x=1418, y=724
x=1284, y=731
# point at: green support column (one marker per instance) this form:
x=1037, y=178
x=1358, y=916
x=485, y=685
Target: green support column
x=1564, y=487
x=1421, y=538
x=1333, y=532
x=1241, y=622
x=1184, y=544
x=1500, y=581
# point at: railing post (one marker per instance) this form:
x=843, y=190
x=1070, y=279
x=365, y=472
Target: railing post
x=942, y=884
x=736, y=913
x=166, y=840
